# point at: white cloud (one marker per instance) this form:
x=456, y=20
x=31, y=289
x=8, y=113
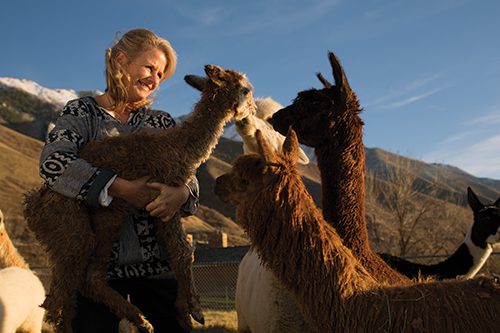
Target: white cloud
x=454, y=138
x=205, y=16
x=491, y=118
x=384, y=102
x=409, y=100
x=481, y=159
x=277, y=16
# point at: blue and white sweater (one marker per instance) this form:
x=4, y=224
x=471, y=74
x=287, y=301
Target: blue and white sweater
x=138, y=253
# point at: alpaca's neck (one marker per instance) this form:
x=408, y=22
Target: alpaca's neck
x=246, y=127
x=301, y=248
x=177, y=152
x=199, y=133
x=8, y=253
x=343, y=189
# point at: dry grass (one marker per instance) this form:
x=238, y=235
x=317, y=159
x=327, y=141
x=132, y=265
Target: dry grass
x=215, y=322
x=218, y=322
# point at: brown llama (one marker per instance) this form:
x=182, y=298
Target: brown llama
x=328, y=120
x=334, y=291
x=21, y=291
x=79, y=241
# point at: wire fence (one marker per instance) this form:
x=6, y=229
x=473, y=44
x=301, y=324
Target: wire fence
x=216, y=282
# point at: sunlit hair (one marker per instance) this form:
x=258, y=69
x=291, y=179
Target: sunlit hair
x=131, y=44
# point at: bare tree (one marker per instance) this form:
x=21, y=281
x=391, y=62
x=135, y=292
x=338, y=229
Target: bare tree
x=405, y=194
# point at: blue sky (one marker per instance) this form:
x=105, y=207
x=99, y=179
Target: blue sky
x=426, y=72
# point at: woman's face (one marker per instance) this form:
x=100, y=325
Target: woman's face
x=145, y=71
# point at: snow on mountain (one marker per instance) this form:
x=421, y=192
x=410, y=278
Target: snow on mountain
x=230, y=132
x=58, y=97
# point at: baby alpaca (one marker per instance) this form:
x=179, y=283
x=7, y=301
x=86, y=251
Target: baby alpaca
x=263, y=305
x=21, y=292
x=179, y=152
x=248, y=126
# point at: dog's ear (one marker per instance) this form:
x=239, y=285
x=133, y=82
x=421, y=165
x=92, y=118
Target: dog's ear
x=474, y=202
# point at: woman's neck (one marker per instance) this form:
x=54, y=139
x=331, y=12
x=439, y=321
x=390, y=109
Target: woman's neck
x=121, y=113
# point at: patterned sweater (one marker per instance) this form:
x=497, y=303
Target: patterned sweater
x=137, y=254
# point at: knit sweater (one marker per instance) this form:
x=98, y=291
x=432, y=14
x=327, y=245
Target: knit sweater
x=138, y=253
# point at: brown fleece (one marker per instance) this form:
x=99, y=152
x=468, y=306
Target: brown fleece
x=79, y=242
x=335, y=292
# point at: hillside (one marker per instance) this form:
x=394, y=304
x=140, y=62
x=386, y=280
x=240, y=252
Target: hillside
x=440, y=189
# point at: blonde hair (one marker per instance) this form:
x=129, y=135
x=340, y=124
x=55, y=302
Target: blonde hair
x=132, y=44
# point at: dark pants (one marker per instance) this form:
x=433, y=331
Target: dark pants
x=155, y=298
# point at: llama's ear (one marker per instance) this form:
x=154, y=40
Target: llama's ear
x=197, y=82
x=339, y=76
x=322, y=79
x=215, y=74
x=474, y=202
x=265, y=150
x=291, y=145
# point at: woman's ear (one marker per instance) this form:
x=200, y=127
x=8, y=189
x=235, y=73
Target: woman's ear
x=121, y=58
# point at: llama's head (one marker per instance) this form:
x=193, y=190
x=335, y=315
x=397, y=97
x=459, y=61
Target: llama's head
x=231, y=89
x=322, y=115
x=259, y=175
x=486, y=227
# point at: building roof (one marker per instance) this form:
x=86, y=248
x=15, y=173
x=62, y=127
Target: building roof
x=211, y=255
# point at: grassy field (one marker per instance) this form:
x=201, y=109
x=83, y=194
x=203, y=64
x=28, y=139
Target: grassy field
x=215, y=322
x=218, y=322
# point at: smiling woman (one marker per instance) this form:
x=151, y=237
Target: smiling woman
x=140, y=268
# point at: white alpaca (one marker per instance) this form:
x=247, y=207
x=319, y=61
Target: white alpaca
x=248, y=126
x=21, y=294
x=263, y=305
x=21, y=291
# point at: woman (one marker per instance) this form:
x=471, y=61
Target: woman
x=135, y=66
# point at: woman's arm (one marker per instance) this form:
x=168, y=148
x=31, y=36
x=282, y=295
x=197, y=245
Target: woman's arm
x=61, y=168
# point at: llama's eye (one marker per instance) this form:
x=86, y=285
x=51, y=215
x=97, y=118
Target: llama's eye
x=244, y=182
x=245, y=91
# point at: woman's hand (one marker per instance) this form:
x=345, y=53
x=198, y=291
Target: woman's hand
x=135, y=192
x=168, y=202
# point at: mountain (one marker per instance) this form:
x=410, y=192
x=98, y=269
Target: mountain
x=451, y=181
x=24, y=117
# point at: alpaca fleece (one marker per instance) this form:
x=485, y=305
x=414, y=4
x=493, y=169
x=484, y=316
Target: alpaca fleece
x=79, y=241
x=333, y=289
x=328, y=120
x=21, y=291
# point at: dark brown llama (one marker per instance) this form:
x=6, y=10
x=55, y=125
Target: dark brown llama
x=328, y=120
x=79, y=241
x=334, y=291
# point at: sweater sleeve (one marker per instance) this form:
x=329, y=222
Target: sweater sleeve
x=61, y=168
x=192, y=203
